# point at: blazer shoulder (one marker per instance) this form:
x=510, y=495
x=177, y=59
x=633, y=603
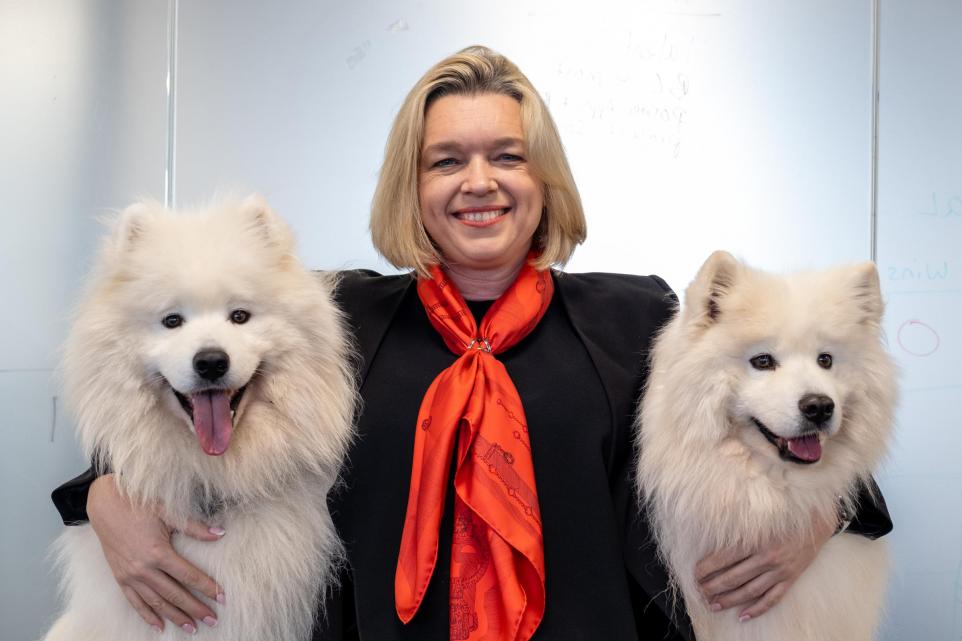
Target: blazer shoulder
x=361, y=292
x=352, y=287
x=648, y=296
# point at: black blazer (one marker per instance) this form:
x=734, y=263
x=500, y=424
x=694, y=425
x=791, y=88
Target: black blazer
x=614, y=317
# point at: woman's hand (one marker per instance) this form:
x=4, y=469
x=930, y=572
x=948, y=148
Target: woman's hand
x=153, y=577
x=760, y=578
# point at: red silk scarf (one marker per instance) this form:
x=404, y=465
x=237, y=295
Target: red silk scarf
x=497, y=554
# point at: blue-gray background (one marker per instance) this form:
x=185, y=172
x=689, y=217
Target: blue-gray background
x=691, y=125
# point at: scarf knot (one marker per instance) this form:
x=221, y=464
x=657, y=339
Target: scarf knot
x=480, y=344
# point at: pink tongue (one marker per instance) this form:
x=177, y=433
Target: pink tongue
x=806, y=448
x=212, y=420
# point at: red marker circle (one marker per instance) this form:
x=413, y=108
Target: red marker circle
x=918, y=338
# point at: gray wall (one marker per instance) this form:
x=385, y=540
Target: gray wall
x=82, y=129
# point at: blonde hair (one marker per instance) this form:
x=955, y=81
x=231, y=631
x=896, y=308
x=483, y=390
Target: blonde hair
x=396, y=227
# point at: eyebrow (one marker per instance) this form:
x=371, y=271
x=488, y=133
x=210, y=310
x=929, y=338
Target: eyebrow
x=451, y=145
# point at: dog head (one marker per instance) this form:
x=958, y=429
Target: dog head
x=205, y=360
x=798, y=358
x=196, y=287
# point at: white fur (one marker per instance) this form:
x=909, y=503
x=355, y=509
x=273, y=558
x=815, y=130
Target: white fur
x=709, y=478
x=291, y=429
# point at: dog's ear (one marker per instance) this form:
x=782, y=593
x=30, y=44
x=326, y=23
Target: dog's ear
x=265, y=222
x=867, y=293
x=704, y=297
x=130, y=225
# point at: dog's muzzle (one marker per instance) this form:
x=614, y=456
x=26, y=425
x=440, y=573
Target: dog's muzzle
x=805, y=449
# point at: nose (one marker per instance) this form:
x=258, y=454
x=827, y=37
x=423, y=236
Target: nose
x=211, y=364
x=479, y=179
x=817, y=408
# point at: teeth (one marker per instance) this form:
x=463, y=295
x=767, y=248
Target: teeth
x=481, y=216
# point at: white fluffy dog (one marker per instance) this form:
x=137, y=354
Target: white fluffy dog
x=211, y=371
x=769, y=399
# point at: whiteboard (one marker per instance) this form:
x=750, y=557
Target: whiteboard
x=920, y=263
x=690, y=125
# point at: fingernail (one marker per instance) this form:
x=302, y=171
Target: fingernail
x=217, y=531
x=716, y=607
x=189, y=628
x=221, y=598
x=744, y=617
x=210, y=621
x=157, y=629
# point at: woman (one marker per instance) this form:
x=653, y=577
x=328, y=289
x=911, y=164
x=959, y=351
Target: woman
x=489, y=493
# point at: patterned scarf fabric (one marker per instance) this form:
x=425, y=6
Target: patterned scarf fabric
x=497, y=553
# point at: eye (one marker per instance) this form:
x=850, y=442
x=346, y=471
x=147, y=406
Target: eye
x=172, y=321
x=825, y=360
x=763, y=361
x=506, y=157
x=444, y=163
x=240, y=316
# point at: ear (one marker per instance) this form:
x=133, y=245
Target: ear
x=130, y=226
x=714, y=281
x=269, y=225
x=867, y=293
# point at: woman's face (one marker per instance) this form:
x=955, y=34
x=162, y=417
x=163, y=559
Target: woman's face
x=480, y=202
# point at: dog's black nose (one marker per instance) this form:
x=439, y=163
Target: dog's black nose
x=211, y=364
x=817, y=408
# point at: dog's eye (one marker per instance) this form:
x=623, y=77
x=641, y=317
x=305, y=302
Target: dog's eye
x=825, y=360
x=172, y=321
x=240, y=316
x=763, y=361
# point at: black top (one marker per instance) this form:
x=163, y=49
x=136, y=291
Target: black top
x=579, y=374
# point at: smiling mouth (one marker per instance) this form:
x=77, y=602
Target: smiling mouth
x=233, y=396
x=804, y=450
x=481, y=216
